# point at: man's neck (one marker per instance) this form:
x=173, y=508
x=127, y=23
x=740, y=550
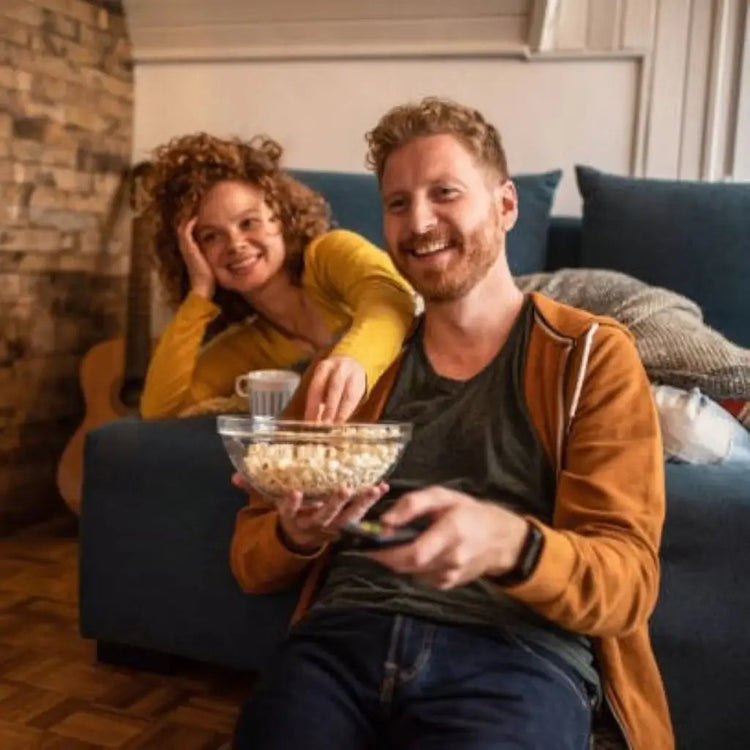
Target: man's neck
x=461, y=337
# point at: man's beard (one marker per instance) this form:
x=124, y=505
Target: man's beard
x=475, y=255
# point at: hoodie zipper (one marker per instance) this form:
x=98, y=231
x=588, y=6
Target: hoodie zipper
x=563, y=427
x=568, y=344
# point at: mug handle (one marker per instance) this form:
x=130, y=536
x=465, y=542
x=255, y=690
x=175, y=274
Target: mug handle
x=240, y=386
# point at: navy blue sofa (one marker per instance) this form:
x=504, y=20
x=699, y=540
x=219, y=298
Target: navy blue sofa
x=158, y=512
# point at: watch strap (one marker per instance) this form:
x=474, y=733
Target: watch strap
x=528, y=558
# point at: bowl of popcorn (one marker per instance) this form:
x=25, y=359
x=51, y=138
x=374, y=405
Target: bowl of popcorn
x=281, y=456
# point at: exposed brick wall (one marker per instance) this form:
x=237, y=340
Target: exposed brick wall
x=66, y=107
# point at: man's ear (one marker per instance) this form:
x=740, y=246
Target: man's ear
x=506, y=200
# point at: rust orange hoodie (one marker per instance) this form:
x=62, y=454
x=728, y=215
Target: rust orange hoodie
x=588, y=396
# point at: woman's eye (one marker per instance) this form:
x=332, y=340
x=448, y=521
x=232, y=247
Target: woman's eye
x=207, y=238
x=248, y=223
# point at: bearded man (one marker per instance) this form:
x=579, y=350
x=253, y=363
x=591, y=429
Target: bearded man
x=518, y=617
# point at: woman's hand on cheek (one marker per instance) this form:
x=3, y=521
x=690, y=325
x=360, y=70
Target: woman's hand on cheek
x=202, y=280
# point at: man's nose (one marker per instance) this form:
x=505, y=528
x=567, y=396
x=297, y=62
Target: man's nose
x=421, y=217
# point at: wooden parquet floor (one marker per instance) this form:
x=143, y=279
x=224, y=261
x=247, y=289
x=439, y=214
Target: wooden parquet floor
x=53, y=692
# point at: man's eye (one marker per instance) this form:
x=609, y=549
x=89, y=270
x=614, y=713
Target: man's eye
x=395, y=205
x=446, y=192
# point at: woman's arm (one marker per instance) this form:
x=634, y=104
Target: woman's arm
x=170, y=373
x=347, y=267
x=183, y=372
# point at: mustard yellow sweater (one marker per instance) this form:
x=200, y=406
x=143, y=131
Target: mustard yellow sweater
x=352, y=283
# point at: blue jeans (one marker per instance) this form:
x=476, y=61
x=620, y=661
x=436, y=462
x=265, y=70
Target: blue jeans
x=357, y=679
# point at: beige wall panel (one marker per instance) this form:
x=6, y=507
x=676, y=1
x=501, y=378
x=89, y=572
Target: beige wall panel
x=696, y=88
x=604, y=24
x=572, y=24
x=233, y=29
x=723, y=95
x=638, y=21
x=408, y=37
x=664, y=129
x=150, y=13
x=741, y=166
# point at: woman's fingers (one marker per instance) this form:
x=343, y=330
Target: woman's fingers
x=185, y=235
x=199, y=270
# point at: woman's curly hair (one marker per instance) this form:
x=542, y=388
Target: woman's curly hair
x=186, y=168
x=435, y=116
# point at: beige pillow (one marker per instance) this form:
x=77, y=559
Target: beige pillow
x=676, y=346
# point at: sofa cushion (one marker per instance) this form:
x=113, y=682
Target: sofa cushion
x=691, y=237
x=355, y=204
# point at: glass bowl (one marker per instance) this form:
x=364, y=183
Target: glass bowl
x=280, y=456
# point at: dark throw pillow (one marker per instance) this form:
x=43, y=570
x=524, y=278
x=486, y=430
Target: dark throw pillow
x=691, y=237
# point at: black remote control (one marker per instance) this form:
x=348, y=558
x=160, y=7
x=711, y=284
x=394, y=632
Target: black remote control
x=366, y=535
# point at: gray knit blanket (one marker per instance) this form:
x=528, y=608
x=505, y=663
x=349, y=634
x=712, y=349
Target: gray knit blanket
x=676, y=346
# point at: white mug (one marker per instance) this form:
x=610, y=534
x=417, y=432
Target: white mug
x=267, y=391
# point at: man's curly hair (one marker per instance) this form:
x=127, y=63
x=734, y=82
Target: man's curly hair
x=436, y=116
x=187, y=167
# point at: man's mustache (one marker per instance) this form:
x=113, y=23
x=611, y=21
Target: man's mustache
x=420, y=242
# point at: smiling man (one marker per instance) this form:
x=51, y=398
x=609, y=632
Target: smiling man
x=518, y=617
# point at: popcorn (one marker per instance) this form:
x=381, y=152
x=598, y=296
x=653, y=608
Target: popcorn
x=355, y=458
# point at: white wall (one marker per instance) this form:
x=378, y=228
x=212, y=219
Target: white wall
x=551, y=114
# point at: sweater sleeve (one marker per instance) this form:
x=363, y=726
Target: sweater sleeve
x=170, y=372
x=183, y=372
x=599, y=570
x=348, y=268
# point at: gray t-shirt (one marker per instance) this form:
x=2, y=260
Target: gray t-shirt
x=475, y=436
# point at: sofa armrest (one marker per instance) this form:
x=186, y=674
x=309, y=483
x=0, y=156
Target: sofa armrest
x=700, y=625
x=157, y=517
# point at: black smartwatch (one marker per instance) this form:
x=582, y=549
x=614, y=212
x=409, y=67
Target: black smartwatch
x=528, y=558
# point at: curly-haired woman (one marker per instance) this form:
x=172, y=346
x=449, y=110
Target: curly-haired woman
x=238, y=237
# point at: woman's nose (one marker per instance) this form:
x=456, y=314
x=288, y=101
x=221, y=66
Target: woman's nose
x=237, y=240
